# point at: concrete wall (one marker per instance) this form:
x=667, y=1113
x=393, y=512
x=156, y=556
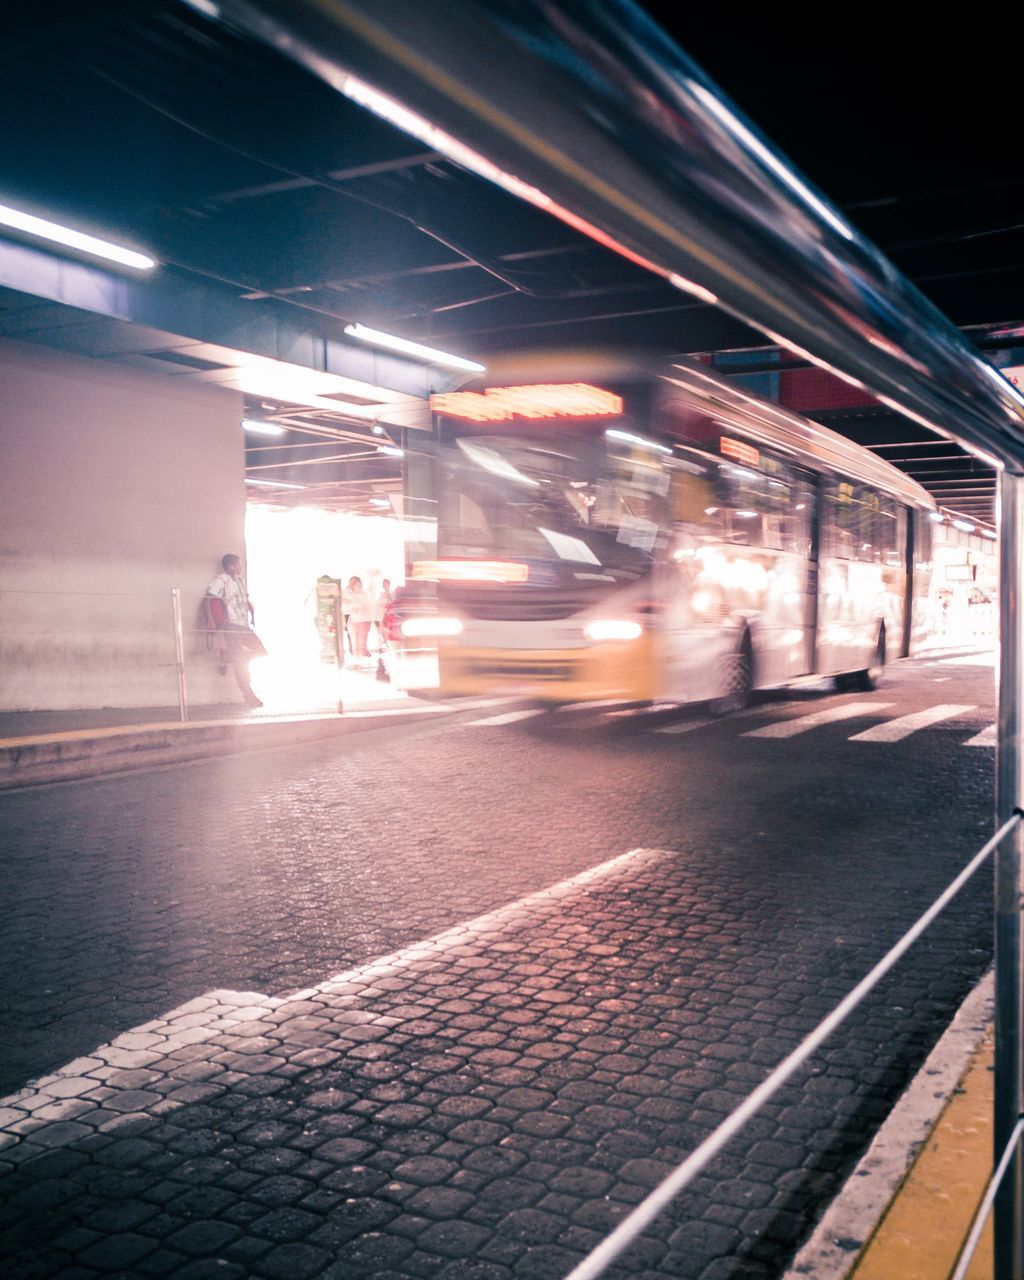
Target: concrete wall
x=115, y=486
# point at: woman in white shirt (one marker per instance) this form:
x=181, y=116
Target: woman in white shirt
x=359, y=612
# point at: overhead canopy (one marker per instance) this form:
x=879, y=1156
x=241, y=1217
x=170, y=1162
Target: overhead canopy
x=245, y=172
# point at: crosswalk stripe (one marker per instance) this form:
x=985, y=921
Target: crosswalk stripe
x=687, y=727
x=800, y=724
x=987, y=738
x=903, y=726
x=510, y=717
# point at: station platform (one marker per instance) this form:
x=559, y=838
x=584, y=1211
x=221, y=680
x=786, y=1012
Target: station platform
x=61, y=746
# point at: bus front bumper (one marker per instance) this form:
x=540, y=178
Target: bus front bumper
x=601, y=672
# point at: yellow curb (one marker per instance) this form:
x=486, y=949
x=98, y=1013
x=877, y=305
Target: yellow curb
x=921, y=1234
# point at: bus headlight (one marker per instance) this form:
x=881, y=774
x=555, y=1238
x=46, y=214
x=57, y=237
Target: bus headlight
x=612, y=629
x=430, y=626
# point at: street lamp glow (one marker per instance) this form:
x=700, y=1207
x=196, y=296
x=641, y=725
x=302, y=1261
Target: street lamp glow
x=56, y=234
x=430, y=354
x=257, y=428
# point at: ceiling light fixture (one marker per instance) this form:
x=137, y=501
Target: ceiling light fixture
x=56, y=234
x=431, y=355
x=391, y=450
x=262, y=428
x=274, y=484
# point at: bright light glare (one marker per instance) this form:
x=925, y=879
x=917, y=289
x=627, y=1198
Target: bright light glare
x=470, y=571
x=964, y=526
x=642, y=441
x=412, y=627
x=391, y=342
x=692, y=287
x=72, y=239
x=936, y=516
x=492, y=461
x=566, y=547
x=989, y=533
x=612, y=629
x=391, y=450
x=262, y=428
x=769, y=159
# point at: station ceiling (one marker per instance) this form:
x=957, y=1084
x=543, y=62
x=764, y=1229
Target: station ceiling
x=148, y=123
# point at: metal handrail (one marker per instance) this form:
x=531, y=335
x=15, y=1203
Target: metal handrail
x=970, y=1245
x=600, y=1258
x=594, y=114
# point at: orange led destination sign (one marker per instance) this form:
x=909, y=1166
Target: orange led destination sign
x=543, y=400
x=740, y=451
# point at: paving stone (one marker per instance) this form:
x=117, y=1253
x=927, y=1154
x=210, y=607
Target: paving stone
x=203, y=1237
x=293, y=1262
x=117, y=1250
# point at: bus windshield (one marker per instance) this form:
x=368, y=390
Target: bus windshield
x=594, y=504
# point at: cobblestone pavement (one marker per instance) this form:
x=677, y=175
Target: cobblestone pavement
x=491, y=1103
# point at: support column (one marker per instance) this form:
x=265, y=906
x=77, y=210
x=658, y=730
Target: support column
x=1009, y=920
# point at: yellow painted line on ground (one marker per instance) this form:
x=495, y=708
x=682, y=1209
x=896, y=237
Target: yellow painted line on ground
x=920, y=1236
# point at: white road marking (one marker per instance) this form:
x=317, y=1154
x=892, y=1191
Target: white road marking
x=987, y=738
x=689, y=725
x=903, y=726
x=509, y=717
x=968, y=660
x=55, y=1110
x=801, y=724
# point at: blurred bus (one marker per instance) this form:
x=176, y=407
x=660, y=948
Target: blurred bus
x=614, y=529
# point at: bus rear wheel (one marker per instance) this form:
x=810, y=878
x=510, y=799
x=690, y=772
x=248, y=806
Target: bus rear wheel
x=737, y=683
x=870, y=677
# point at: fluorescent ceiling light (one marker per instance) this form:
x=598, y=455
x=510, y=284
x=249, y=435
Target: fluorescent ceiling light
x=937, y=516
x=274, y=484
x=391, y=450
x=430, y=354
x=262, y=428
x=57, y=234
x=964, y=526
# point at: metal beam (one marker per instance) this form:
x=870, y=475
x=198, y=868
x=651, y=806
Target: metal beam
x=594, y=114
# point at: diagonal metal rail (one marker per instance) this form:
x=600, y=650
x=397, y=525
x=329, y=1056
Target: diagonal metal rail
x=588, y=110
x=598, y=1261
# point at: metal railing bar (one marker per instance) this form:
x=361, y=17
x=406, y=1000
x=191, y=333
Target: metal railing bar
x=648, y=1209
x=970, y=1245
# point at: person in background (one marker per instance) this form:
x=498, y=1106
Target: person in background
x=236, y=625
x=385, y=599
x=359, y=610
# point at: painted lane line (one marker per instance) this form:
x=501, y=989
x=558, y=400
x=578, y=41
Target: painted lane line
x=82, y=1097
x=510, y=717
x=801, y=724
x=903, y=726
x=686, y=727
x=689, y=725
x=987, y=738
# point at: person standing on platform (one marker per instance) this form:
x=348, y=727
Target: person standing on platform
x=384, y=601
x=359, y=610
x=235, y=626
